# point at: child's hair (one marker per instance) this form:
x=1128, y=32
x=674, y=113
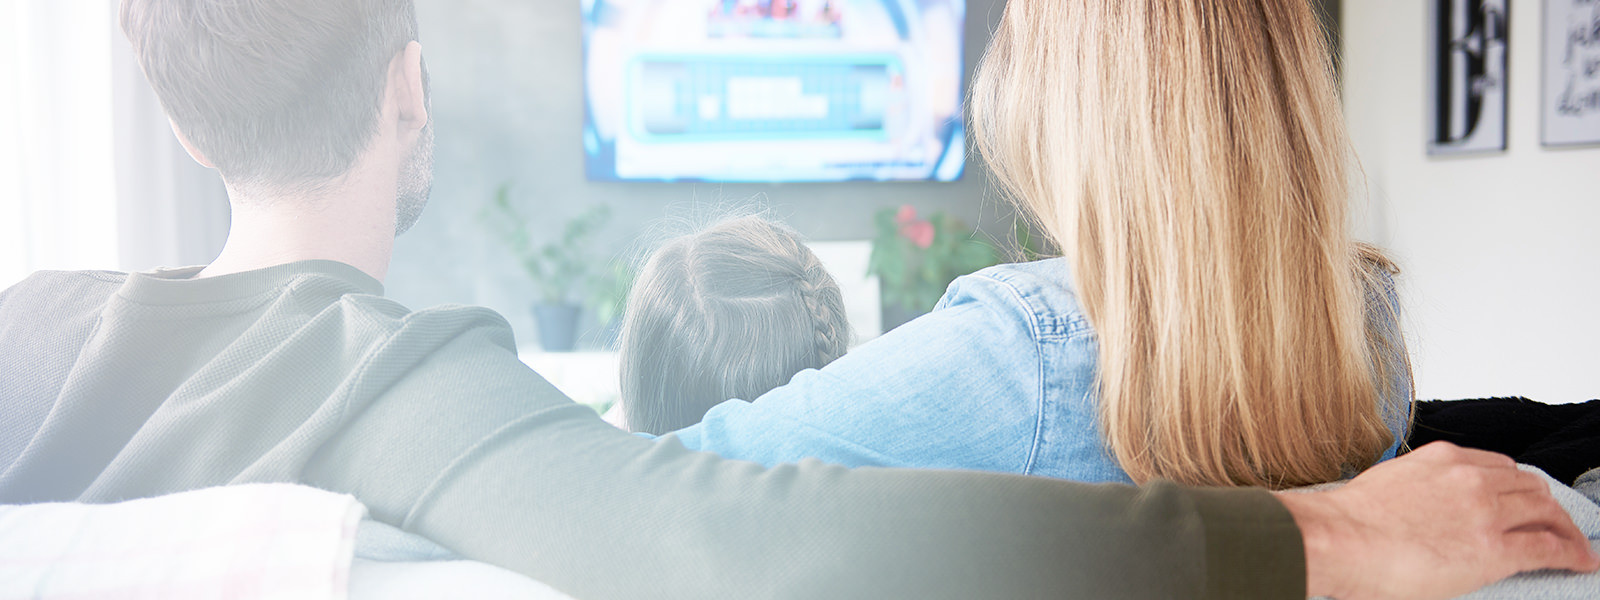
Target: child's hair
x=730, y=312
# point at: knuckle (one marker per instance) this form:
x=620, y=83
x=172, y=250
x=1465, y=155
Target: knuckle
x=1440, y=449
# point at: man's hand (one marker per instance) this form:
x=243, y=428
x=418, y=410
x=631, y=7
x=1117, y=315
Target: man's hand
x=1437, y=523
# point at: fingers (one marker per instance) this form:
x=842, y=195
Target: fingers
x=1535, y=550
x=1540, y=534
x=1536, y=511
x=1513, y=481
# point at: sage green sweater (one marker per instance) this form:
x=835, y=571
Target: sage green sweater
x=116, y=386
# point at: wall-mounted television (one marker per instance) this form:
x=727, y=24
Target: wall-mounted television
x=774, y=90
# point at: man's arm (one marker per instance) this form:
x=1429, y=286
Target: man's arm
x=475, y=451
x=654, y=519
x=472, y=449
x=609, y=516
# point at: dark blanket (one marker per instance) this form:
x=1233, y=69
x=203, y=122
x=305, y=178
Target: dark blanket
x=1561, y=439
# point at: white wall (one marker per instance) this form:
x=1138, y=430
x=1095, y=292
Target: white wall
x=1501, y=253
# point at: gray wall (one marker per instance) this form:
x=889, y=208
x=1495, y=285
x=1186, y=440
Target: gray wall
x=508, y=106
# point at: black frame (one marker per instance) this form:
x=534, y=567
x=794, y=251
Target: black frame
x=1488, y=25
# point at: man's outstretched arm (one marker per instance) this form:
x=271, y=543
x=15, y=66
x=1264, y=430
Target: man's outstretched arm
x=544, y=487
x=671, y=523
x=620, y=517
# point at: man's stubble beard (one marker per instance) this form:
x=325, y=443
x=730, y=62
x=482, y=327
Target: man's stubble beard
x=415, y=182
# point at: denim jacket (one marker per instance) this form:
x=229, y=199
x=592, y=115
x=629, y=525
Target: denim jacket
x=999, y=377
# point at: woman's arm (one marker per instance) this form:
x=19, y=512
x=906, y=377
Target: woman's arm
x=957, y=388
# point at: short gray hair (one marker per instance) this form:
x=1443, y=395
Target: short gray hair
x=730, y=312
x=274, y=92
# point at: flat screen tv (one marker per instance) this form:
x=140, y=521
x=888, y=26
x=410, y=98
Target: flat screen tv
x=774, y=90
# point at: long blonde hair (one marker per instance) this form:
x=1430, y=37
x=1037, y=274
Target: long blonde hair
x=1190, y=157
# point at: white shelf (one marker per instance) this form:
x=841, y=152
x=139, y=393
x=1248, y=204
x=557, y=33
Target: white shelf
x=592, y=378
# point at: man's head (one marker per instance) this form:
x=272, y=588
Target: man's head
x=287, y=95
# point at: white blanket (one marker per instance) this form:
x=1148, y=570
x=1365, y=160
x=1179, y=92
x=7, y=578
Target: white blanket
x=237, y=542
x=245, y=542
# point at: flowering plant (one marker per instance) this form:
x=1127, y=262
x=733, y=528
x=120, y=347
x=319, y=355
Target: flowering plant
x=915, y=259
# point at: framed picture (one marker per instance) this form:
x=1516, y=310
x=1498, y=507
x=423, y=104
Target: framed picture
x=1571, y=102
x=1467, y=73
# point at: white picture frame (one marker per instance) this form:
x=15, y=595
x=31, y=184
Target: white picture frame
x=1570, y=103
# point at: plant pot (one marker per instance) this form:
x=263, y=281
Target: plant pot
x=558, y=326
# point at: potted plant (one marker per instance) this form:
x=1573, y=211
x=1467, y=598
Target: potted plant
x=915, y=259
x=560, y=270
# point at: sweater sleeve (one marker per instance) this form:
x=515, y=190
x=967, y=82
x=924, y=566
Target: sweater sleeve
x=561, y=496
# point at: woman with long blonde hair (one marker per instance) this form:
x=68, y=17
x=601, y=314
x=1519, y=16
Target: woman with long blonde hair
x=1212, y=320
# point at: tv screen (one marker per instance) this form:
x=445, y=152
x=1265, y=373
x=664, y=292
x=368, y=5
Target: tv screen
x=774, y=90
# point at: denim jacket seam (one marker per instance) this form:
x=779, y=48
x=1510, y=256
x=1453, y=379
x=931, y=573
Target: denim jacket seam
x=1032, y=315
x=1038, y=426
x=1062, y=329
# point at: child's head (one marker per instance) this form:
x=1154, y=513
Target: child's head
x=730, y=312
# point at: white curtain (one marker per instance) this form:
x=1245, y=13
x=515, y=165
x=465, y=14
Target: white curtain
x=171, y=210
x=90, y=175
x=56, y=177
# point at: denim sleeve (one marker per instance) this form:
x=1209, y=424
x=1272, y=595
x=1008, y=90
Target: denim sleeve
x=958, y=388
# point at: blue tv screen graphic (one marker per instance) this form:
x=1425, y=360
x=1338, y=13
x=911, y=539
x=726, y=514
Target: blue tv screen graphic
x=774, y=90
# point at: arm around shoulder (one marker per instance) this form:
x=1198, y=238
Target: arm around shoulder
x=602, y=514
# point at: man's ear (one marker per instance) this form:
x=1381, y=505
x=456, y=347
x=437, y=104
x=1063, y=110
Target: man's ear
x=189, y=147
x=406, y=88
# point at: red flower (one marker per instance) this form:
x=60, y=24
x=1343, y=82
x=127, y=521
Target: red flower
x=919, y=232
x=907, y=215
